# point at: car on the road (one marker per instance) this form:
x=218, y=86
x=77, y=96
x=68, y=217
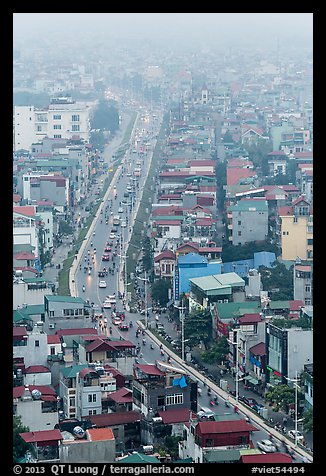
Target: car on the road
x=128, y=174
x=251, y=402
x=106, y=304
x=107, y=249
x=120, y=210
x=101, y=274
x=112, y=236
x=123, y=224
x=291, y=434
x=267, y=446
x=112, y=299
x=102, y=284
x=129, y=188
x=116, y=321
x=106, y=257
x=123, y=327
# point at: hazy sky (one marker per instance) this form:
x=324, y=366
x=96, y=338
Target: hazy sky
x=232, y=27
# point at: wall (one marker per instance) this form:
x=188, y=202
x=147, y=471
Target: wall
x=300, y=350
x=33, y=418
x=254, y=226
x=294, y=242
x=33, y=355
x=43, y=378
x=88, y=452
x=21, y=295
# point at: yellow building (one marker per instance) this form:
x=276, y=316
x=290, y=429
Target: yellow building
x=296, y=230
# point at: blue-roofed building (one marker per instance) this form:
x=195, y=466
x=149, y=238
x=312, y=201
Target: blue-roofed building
x=264, y=258
x=192, y=265
x=241, y=267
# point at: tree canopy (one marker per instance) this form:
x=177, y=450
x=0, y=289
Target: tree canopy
x=216, y=354
x=106, y=117
x=160, y=291
x=280, y=278
x=239, y=252
x=19, y=445
x=198, y=327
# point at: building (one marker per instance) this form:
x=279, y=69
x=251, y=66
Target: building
x=302, y=282
x=31, y=346
x=44, y=445
x=96, y=446
x=296, y=230
x=161, y=387
x=288, y=350
x=29, y=292
x=37, y=405
x=248, y=221
x=25, y=228
x=63, y=118
x=217, y=288
x=203, y=437
x=308, y=382
x=61, y=310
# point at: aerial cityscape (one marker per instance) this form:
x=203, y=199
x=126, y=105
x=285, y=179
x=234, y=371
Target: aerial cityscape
x=162, y=238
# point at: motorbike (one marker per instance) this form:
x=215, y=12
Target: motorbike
x=152, y=347
x=227, y=404
x=84, y=288
x=212, y=403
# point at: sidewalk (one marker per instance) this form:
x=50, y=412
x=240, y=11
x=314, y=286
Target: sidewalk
x=61, y=252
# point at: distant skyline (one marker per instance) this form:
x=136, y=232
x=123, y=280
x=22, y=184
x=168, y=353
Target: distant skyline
x=229, y=29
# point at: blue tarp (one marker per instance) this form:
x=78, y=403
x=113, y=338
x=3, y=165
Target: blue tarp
x=180, y=381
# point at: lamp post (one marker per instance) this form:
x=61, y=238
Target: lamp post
x=237, y=380
x=296, y=380
x=182, y=320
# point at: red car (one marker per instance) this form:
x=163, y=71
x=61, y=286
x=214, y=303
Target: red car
x=109, y=243
x=106, y=257
x=124, y=327
x=107, y=249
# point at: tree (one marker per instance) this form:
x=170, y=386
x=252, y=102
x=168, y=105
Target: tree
x=239, y=252
x=160, y=291
x=171, y=444
x=19, y=445
x=258, y=151
x=216, y=354
x=106, y=117
x=281, y=395
x=280, y=278
x=198, y=327
x=308, y=420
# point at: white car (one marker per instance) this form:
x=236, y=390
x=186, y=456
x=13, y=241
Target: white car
x=111, y=299
x=123, y=224
x=102, y=284
x=291, y=434
x=120, y=210
x=112, y=236
x=267, y=446
x=106, y=305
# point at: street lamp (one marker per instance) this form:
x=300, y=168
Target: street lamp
x=146, y=309
x=237, y=380
x=182, y=320
x=296, y=380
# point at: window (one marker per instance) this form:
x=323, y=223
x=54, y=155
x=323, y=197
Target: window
x=90, y=398
x=310, y=241
x=51, y=313
x=56, y=117
x=52, y=350
x=308, y=288
x=239, y=233
x=72, y=401
x=176, y=399
x=94, y=397
x=75, y=118
x=57, y=126
x=75, y=128
x=295, y=220
x=37, y=343
x=57, y=136
x=239, y=222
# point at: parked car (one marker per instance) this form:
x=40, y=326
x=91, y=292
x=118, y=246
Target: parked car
x=102, y=284
x=267, y=446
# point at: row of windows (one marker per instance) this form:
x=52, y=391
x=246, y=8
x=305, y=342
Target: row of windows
x=74, y=117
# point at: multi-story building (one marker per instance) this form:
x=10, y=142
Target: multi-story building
x=288, y=350
x=25, y=228
x=296, y=230
x=61, y=310
x=31, y=346
x=248, y=221
x=302, y=282
x=161, y=387
x=63, y=118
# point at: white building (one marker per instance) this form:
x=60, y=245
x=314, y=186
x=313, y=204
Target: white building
x=25, y=230
x=64, y=118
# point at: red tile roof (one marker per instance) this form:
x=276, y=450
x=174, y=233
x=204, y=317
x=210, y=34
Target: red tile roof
x=77, y=331
x=123, y=395
x=175, y=415
x=112, y=419
x=168, y=222
x=285, y=211
x=250, y=318
x=149, y=369
x=258, y=349
x=27, y=210
x=99, y=434
x=19, y=331
x=54, y=339
x=235, y=174
x=229, y=426
x=167, y=254
x=99, y=345
x=86, y=371
x=36, y=369
x=24, y=255
x=38, y=436
x=296, y=305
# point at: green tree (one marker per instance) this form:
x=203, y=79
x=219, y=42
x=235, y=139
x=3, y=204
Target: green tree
x=216, y=354
x=227, y=137
x=239, y=252
x=106, y=117
x=171, y=445
x=19, y=445
x=281, y=395
x=308, y=420
x=258, y=151
x=159, y=291
x=65, y=228
x=278, y=277
x=198, y=327
x=97, y=139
